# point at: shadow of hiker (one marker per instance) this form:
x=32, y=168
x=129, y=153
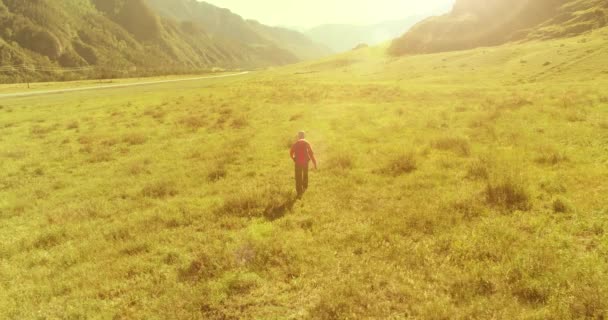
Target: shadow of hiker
x=275, y=212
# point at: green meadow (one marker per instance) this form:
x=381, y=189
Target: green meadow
x=462, y=185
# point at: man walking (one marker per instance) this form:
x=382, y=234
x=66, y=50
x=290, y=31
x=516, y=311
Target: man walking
x=301, y=153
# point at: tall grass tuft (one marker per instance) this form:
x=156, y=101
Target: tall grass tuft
x=508, y=191
x=561, y=205
x=134, y=139
x=193, y=122
x=270, y=202
x=402, y=163
x=551, y=156
x=458, y=145
x=479, y=169
x=159, y=190
x=341, y=161
x=217, y=173
x=201, y=268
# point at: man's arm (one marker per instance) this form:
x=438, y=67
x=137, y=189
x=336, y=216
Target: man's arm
x=292, y=152
x=311, y=154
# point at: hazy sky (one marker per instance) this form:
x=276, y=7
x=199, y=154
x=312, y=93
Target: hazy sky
x=307, y=13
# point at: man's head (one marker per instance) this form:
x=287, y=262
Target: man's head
x=301, y=135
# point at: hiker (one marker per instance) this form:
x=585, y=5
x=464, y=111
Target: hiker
x=301, y=153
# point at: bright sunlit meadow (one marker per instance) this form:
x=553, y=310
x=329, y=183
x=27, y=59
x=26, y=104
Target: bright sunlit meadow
x=465, y=185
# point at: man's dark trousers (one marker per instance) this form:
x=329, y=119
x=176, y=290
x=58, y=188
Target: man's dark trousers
x=301, y=178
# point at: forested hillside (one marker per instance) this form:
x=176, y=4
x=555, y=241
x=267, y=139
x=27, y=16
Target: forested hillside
x=476, y=23
x=110, y=38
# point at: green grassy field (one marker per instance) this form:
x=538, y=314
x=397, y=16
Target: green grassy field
x=464, y=185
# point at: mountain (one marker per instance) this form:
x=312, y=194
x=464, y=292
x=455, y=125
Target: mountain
x=136, y=37
x=302, y=46
x=222, y=23
x=476, y=23
x=344, y=37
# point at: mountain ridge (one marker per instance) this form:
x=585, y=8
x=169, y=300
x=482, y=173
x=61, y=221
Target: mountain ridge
x=479, y=23
x=221, y=22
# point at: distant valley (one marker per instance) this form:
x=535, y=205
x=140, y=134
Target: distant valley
x=344, y=37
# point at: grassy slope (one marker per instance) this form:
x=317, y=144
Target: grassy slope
x=477, y=23
x=456, y=185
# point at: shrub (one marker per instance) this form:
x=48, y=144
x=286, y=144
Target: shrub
x=100, y=156
x=342, y=302
x=38, y=172
x=242, y=204
x=588, y=295
x=508, y=192
x=341, y=161
x=553, y=186
x=576, y=116
x=159, y=190
x=403, y=163
x=295, y=117
x=217, y=173
x=133, y=249
x=72, y=125
x=240, y=283
x=38, y=130
x=467, y=286
x=479, y=170
x=469, y=208
x=458, y=145
x=240, y=122
x=134, y=139
x=137, y=168
x=49, y=239
x=551, y=156
x=223, y=118
x=269, y=202
x=159, y=114
x=171, y=258
x=561, y=205
x=514, y=102
x=193, y=122
x=531, y=292
x=203, y=267
x=568, y=100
